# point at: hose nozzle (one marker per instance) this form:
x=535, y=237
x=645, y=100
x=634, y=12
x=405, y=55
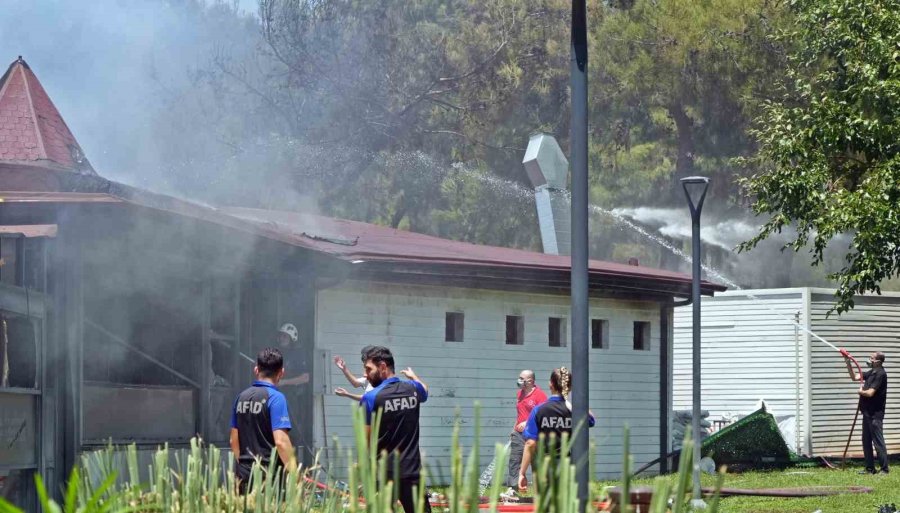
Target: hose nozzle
x=844, y=353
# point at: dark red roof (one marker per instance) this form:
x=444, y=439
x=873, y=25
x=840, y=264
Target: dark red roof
x=355, y=241
x=34, y=135
x=32, y=131
x=372, y=245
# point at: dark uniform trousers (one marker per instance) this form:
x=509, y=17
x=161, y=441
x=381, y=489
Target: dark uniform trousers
x=873, y=435
x=407, y=493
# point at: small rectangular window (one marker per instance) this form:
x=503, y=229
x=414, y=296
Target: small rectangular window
x=10, y=252
x=515, y=330
x=22, y=262
x=453, y=327
x=641, y=336
x=599, y=334
x=18, y=351
x=556, y=328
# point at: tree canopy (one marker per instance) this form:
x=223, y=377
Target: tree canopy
x=416, y=115
x=829, y=143
x=370, y=84
x=673, y=80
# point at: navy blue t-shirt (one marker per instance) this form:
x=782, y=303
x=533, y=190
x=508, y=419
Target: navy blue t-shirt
x=398, y=433
x=258, y=411
x=552, y=417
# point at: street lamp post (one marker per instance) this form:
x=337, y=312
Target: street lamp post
x=579, y=276
x=695, y=190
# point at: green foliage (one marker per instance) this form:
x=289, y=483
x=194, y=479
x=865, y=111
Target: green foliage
x=685, y=467
x=363, y=106
x=671, y=492
x=391, y=93
x=196, y=483
x=884, y=487
x=753, y=439
x=673, y=80
x=829, y=160
x=555, y=488
x=76, y=499
x=456, y=78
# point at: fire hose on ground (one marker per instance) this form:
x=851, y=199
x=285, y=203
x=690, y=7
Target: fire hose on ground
x=638, y=495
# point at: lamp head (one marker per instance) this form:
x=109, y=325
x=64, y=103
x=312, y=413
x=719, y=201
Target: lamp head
x=695, y=190
x=695, y=180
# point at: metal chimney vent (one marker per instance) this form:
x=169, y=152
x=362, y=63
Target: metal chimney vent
x=548, y=170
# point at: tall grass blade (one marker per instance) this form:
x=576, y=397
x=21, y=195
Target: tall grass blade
x=626, y=468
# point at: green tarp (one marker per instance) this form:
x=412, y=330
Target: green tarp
x=753, y=439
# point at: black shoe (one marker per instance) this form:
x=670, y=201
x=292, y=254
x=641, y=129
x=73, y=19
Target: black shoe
x=883, y=471
x=866, y=471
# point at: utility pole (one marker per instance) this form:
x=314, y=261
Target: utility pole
x=579, y=279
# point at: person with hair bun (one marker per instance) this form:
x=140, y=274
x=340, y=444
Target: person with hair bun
x=553, y=419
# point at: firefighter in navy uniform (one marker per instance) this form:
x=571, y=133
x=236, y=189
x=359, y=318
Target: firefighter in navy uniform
x=398, y=433
x=260, y=420
x=551, y=419
x=296, y=382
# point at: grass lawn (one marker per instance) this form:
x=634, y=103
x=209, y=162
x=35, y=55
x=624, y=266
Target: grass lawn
x=886, y=490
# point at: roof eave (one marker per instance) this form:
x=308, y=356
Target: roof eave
x=502, y=277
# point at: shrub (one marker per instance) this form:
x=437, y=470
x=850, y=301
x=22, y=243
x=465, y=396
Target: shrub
x=199, y=483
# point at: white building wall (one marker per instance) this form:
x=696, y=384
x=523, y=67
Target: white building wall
x=749, y=351
x=410, y=321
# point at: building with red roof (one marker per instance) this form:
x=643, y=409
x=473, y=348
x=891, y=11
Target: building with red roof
x=32, y=133
x=130, y=315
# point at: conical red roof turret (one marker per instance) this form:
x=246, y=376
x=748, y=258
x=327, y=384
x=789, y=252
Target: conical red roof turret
x=32, y=132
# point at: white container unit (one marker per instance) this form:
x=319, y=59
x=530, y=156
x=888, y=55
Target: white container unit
x=755, y=346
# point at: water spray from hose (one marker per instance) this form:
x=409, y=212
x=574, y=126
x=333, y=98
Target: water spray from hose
x=718, y=276
x=711, y=272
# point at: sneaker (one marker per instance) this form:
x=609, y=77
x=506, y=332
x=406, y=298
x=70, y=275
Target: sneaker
x=866, y=471
x=510, y=493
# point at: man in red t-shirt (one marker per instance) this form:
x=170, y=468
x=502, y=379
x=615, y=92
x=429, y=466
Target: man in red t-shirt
x=529, y=396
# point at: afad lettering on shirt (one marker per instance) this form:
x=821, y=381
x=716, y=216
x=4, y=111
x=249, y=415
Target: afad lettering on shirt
x=556, y=423
x=400, y=403
x=254, y=407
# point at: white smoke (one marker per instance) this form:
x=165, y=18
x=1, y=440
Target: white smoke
x=676, y=223
x=117, y=70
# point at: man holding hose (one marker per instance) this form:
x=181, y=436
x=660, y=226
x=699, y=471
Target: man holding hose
x=872, y=399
